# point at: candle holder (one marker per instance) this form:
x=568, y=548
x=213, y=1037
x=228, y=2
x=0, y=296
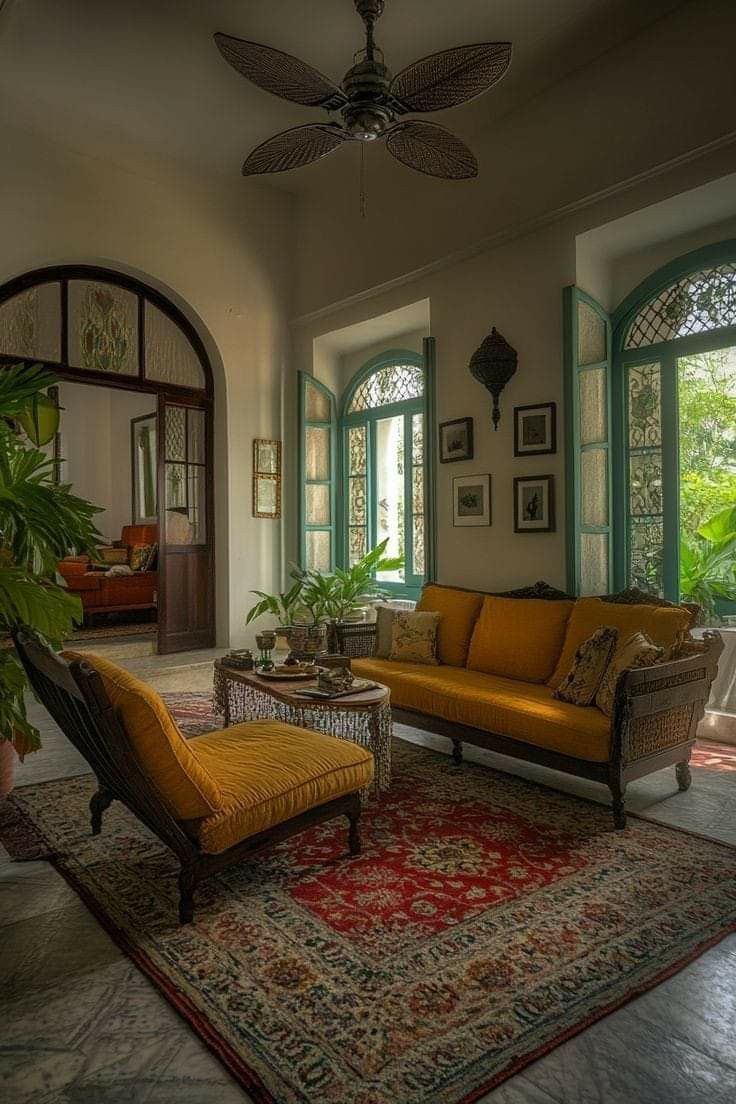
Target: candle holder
x=266, y=642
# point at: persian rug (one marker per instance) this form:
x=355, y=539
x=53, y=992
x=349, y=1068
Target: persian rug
x=487, y=920
x=193, y=711
x=110, y=632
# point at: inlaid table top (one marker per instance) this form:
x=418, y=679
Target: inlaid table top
x=289, y=691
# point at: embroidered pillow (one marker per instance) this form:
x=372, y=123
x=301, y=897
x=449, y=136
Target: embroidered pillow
x=580, y=684
x=637, y=651
x=414, y=637
x=384, y=630
x=139, y=556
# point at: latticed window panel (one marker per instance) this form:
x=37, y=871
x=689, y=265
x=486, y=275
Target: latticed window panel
x=645, y=406
x=647, y=553
x=702, y=301
x=392, y=384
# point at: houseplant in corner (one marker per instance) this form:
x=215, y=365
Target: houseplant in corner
x=40, y=522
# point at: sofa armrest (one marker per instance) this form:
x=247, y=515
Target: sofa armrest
x=355, y=639
x=659, y=707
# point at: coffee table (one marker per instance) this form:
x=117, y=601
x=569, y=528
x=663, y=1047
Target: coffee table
x=364, y=718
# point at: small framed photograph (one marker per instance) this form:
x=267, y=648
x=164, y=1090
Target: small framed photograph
x=266, y=478
x=456, y=440
x=266, y=457
x=535, y=429
x=471, y=496
x=534, y=504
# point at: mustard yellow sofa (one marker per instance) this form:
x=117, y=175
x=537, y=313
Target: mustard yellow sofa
x=502, y=655
x=213, y=799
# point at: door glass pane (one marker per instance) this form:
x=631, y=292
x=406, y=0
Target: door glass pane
x=196, y=506
x=176, y=486
x=103, y=327
x=417, y=439
x=644, y=416
x=647, y=544
x=357, y=513
x=317, y=542
x=593, y=563
x=593, y=406
x=357, y=450
x=645, y=482
x=170, y=357
x=645, y=410
x=418, y=546
x=390, y=519
x=316, y=404
x=317, y=504
x=357, y=544
x=195, y=431
x=317, y=453
x=594, y=487
x=591, y=335
x=30, y=323
x=175, y=434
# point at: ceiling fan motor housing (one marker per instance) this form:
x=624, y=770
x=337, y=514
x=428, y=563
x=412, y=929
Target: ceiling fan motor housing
x=367, y=114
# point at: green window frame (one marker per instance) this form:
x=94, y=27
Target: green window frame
x=317, y=469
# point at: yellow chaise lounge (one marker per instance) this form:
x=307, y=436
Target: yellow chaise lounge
x=213, y=799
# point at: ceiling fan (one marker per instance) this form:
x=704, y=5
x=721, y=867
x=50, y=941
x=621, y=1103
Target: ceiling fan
x=371, y=101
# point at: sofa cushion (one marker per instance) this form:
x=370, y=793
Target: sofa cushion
x=269, y=772
x=637, y=651
x=580, y=684
x=458, y=610
x=665, y=625
x=519, y=638
x=524, y=711
x=187, y=788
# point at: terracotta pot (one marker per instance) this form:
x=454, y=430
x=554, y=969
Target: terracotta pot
x=8, y=763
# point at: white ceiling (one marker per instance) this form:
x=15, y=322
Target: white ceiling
x=139, y=82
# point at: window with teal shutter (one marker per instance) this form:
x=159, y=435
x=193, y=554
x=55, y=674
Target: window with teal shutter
x=317, y=469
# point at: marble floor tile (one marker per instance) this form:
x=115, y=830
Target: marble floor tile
x=30, y=888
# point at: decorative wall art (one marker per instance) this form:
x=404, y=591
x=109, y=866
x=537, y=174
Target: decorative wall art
x=144, y=468
x=103, y=327
x=471, y=496
x=266, y=478
x=535, y=429
x=456, y=440
x=534, y=504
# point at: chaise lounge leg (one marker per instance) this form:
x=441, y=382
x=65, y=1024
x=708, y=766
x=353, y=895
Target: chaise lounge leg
x=618, y=791
x=187, y=882
x=97, y=805
x=684, y=777
x=457, y=752
x=354, y=817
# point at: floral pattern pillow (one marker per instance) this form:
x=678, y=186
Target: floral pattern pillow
x=637, y=651
x=580, y=684
x=414, y=637
x=140, y=554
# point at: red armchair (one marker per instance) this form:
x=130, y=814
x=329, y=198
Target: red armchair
x=101, y=593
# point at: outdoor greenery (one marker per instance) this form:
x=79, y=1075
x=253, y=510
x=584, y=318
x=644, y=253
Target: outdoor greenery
x=317, y=596
x=40, y=523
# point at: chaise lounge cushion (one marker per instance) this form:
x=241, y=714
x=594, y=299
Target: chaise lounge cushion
x=519, y=638
x=665, y=625
x=458, y=610
x=188, y=790
x=269, y=772
x=525, y=711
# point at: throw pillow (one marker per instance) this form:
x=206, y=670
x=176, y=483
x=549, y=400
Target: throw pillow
x=152, y=561
x=414, y=637
x=384, y=628
x=139, y=556
x=637, y=651
x=580, y=684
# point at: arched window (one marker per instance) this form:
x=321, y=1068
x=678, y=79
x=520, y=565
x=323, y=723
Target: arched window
x=365, y=471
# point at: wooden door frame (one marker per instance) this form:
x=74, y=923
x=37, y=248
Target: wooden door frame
x=202, y=399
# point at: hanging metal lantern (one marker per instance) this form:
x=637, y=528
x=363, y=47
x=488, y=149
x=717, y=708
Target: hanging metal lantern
x=493, y=364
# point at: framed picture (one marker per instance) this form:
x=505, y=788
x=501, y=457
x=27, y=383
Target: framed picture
x=266, y=478
x=145, y=468
x=534, y=504
x=456, y=440
x=535, y=429
x=471, y=500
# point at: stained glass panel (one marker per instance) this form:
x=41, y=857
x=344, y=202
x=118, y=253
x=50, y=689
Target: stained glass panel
x=594, y=487
x=417, y=484
x=170, y=357
x=593, y=563
x=197, y=511
x=645, y=483
x=317, y=453
x=317, y=543
x=357, y=514
x=316, y=403
x=394, y=383
x=417, y=439
x=591, y=335
x=593, y=406
x=103, y=328
x=30, y=323
x=647, y=544
x=702, y=301
x=645, y=408
x=317, y=504
x=357, y=545
x=418, y=548
x=195, y=429
x=357, y=450
x=174, y=440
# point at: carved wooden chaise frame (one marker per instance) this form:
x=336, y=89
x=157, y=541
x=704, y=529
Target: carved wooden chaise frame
x=74, y=695
x=655, y=715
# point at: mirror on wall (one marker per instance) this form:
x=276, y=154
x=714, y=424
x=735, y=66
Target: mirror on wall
x=143, y=466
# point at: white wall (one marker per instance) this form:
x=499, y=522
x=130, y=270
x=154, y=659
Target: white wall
x=222, y=252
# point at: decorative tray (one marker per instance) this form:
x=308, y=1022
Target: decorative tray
x=359, y=687
x=287, y=676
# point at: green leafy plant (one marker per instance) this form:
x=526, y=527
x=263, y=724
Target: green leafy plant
x=40, y=522
x=282, y=606
x=708, y=562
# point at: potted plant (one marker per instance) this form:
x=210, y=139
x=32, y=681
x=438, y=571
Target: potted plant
x=40, y=522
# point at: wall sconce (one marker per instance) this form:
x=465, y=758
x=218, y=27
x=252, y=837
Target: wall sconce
x=493, y=364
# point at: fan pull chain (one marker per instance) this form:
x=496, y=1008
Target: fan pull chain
x=363, y=199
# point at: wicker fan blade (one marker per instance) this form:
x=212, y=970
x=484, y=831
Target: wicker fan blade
x=431, y=149
x=279, y=73
x=293, y=148
x=450, y=77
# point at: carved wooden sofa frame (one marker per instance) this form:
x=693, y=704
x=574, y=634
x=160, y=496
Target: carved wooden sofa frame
x=74, y=695
x=655, y=715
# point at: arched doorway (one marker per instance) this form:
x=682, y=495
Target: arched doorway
x=94, y=326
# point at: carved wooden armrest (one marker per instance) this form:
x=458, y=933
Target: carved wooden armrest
x=659, y=707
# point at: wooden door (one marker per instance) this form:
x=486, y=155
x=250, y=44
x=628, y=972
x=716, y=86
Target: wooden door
x=186, y=545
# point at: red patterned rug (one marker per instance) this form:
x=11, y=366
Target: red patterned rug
x=487, y=920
